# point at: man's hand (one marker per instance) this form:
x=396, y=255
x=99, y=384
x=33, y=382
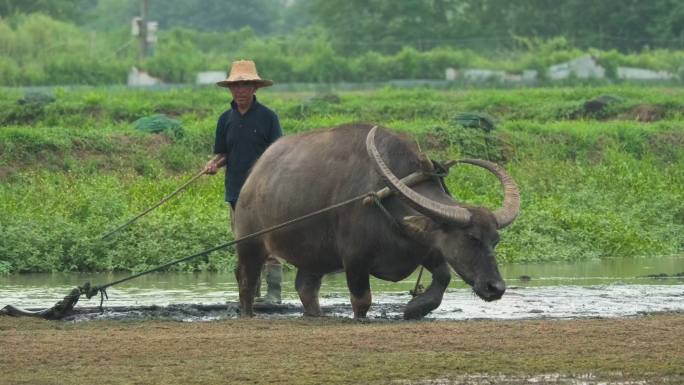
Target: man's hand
x=213, y=165
x=211, y=168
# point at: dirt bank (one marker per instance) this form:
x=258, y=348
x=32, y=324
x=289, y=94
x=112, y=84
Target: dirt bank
x=333, y=350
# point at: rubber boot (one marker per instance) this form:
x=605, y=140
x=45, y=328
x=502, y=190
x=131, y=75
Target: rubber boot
x=257, y=294
x=274, y=277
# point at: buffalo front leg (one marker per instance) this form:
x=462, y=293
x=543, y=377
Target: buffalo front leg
x=250, y=261
x=430, y=300
x=358, y=281
x=308, y=286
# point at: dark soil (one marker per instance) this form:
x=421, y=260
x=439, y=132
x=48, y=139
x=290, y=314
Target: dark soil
x=336, y=351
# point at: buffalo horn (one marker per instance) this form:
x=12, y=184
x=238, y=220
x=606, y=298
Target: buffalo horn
x=418, y=202
x=511, y=203
x=410, y=180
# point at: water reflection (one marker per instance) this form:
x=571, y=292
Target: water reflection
x=613, y=287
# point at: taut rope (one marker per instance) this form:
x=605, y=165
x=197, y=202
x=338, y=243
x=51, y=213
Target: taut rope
x=63, y=307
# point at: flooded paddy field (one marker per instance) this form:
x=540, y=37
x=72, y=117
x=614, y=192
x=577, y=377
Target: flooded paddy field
x=613, y=322
x=590, y=289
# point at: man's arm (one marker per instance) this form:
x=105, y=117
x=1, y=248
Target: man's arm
x=220, y=148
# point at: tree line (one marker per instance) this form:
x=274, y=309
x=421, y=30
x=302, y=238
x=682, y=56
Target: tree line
x=90, y=42
x=387, y=26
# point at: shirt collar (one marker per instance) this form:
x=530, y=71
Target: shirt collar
x=233, y=105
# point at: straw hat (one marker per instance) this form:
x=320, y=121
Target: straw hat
x=244, y=71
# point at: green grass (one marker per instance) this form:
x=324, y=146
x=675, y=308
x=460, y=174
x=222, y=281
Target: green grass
x=594, y=185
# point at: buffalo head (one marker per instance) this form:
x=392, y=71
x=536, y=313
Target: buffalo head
x=465, y=236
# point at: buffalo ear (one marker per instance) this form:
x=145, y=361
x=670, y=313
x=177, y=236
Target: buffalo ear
x=419, y=224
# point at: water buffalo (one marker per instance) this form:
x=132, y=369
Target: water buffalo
x=303, y=173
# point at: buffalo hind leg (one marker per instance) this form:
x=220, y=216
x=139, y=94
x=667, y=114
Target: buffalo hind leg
x=308, y=286
x=358, y=281
x=251, y=258
x=430, y=300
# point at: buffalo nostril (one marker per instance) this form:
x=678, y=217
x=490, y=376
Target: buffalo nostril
x=497, y=287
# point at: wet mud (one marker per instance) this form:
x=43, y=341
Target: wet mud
x=610, y=288
x=541, y=379
x=213, y=312
x=543, y=302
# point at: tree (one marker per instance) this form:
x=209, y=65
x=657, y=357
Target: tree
x=625, y=25
x=262, y=16
x=385, y=25
x=388, y=25
x=72, y=10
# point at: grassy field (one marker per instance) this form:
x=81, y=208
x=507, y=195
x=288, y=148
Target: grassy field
x=640, y=350
x=595, y=183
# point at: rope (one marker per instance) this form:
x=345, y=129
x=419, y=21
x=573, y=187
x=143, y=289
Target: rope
x=94, y=290
x=394, y=223
x=62, y=307
x=441, y=171
x=418, y=289
x=166, y=198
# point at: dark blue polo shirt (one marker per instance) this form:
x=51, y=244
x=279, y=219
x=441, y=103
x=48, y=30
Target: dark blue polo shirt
x=243, y=138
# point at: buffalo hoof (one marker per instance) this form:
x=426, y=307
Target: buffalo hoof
x=420, y=306
x=312, y=314
x=413, y=314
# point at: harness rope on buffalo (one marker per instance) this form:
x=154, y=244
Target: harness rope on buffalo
x=64, y=307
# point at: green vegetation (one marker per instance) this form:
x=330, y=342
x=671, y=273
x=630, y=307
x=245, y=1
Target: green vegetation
x=595, y=183
x=387, y=26
x=36, y=49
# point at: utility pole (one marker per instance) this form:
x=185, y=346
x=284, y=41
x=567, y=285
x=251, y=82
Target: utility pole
x=144, y=8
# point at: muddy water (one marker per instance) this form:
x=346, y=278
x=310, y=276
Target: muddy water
x=602, y=288
x=542, y=379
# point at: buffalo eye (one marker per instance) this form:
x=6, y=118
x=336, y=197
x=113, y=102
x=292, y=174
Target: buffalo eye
x=473, y=238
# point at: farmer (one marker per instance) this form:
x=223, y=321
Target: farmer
x=243, y=133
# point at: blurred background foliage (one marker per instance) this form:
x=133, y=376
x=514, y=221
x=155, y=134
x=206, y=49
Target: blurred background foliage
x=89, y=41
